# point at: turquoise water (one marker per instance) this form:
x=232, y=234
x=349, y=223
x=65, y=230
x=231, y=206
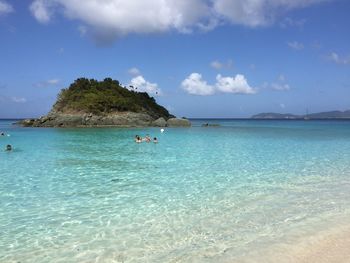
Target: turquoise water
x=199, y=195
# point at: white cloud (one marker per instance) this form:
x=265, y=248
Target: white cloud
x=279, y=85
x=216, y=64
x=134, y=71
x=5, y=8
x=236, y=85
x=195, y=85
x=296, y=45
x=257, y=12
x=42, y=10
x=47, y=83
x=141, y=85
x=19, y=99
x=113, y=18
x=336, y=58
x=53, y=81
x=220, y=65
x=110, y=19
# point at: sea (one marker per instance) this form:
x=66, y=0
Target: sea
x=236, y=192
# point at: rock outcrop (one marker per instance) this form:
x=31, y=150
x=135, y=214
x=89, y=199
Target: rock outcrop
x=176, y=122
x=160, y=122
x=122, y=119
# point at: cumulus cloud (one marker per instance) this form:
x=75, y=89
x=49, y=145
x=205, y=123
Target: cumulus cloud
x=194, y=84
x=110, y=19
x=341, y=60
x=134, y=71
x=19, y=99
x=236, y=85
x=115, y=18
x=220, y=65
x=140, y=84
x=5, y=8
x=295, y=45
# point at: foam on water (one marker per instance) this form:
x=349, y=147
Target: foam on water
x=199, y=195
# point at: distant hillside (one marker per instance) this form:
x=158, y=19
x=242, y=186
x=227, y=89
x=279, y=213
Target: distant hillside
x=320, y=115
x=330, y=115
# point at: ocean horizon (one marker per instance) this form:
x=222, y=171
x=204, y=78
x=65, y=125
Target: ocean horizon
x=244, y=191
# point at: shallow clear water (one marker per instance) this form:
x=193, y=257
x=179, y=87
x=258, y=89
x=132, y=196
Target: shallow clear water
x=199, y=195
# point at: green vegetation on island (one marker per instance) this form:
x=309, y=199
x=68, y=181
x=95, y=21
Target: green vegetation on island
x=107, y=96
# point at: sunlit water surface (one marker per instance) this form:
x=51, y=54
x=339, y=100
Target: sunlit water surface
x=200, y=195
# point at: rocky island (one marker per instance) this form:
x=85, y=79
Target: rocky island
x=92, y=103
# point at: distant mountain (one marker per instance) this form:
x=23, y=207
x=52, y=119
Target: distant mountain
x=320, y=115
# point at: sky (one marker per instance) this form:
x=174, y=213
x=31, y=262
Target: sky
x=198, y=58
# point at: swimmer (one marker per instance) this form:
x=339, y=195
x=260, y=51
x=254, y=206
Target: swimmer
x=147, y=138
x=8, y=148
x=155, y=140
x=2, y=134
x=138, y=139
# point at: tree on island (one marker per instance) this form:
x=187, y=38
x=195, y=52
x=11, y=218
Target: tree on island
x=107, y=96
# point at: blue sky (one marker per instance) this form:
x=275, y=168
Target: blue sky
x=209, y=58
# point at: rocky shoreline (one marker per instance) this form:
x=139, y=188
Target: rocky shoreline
x=117, y=119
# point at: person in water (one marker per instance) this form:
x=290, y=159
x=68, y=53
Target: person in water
x=138, y=139
x=8, y=148
x=2, y=134
x=155, y=140
x=147, y=138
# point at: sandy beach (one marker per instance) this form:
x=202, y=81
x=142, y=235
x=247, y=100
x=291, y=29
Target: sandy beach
x=330, y=246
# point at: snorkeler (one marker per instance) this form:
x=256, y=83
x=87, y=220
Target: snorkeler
x=8, y=148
